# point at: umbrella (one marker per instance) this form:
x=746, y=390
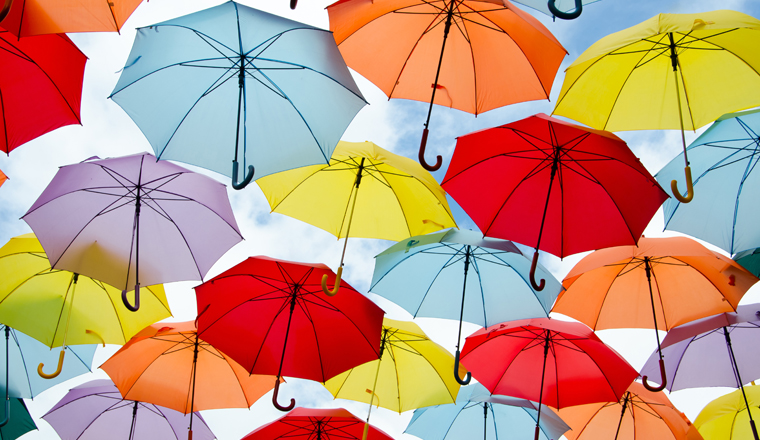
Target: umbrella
x=749, y=260
x=168, y=365
x=95, y=410
x=477, y=410
x=478, y=47
x=275, y=90
x=725, y=418
x=89, y=221
x=640, y=414
x=427, y=274
x=659, y=284
x=398, y=198
x=557, y=363
x=61, y=308
x=21, y=422
x=711, y=352
x=553, y=186
x=623, y=81
x=722, y=159
x=272, y=317
x=323, y=424
x=3, y=178
x=41, y=82
x=25, y=18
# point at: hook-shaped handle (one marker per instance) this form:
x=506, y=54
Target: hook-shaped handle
x=333, y=292
x=536, y=286
x=7, y=412
x=3, y=14
x=248, y=176
x=575, y=13
x=97, y=335
x=662, y=375
x=274, y=399
x=129, y=306
x=689, y=187
x=293, y=4
x=423, y=144
x=57, y=372
x=467, y=377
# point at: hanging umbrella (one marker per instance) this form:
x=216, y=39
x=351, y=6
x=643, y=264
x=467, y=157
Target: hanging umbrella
x=272, y=317
x=95, y=410
x=477, y=410
x=275, y=90
x=722, y=159
x=659, y=284
x=365, y=191
x=17, y=424
x=557, y=363
x=726, y=417
x=488, y=53
x=3, y=178
x=25, y=18
x=89, y=221
x=61, y=308
x=323, y=424
x=41, y=80
x=168, y=365
x=623, y=81
x=553, y=186
x=749, y=260
x=427, y=274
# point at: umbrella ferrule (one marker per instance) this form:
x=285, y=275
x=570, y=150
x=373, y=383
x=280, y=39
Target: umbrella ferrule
x=359, y=173
x=673, y=54
x=241, y=74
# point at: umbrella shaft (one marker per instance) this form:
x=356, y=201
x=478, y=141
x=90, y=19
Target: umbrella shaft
x=622, y=413
x=464, y=289
x=674, y=63
x=449, y=17
x=738, y=377
x=648, y=270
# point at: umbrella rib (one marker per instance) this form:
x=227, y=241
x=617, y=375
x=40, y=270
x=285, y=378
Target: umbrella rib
x=607, y=292
x=23, y=359
x=747, y=170
x=427, y=291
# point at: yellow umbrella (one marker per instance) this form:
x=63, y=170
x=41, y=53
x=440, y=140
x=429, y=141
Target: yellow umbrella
x=727, y=418
x=412, y=372
x=365, y=191
x=61, y=308
x=624, y=80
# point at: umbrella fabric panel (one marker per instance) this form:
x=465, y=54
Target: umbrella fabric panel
x=726, y=417
x=36, y=17
x=308, y=424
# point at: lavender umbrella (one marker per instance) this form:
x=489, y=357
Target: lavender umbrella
x=95, y=411
x=108, y=218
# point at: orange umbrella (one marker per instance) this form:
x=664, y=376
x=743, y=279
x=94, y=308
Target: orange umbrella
x=24, y=18
x=489, y=53
x=167, y=365
x=661, y=283
x=3, y=178
x=640, y=414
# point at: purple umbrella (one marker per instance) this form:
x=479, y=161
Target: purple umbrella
x=108, y=218
x=95, y=411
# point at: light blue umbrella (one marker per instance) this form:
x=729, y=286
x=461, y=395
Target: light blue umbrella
x=476, y=411
x=232, y=82
x=722, y=161
x=462, y=275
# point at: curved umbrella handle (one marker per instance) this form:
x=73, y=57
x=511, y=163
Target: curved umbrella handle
x=248, y=176
x=7, y=412
x=467, y=377
x=57, y=372
x=689, y=187
x=129, y=306
x=536, y=286
x=423, y=144
x=662, y=375
x=274, y=399
x=293, y=4
x=333, y=292
x=97, y=335
x=575, y=13
x=3, y=13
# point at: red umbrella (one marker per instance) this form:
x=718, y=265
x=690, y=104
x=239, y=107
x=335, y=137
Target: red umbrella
x=557, y=363
x=551, y=185
x=325, y=424
x=41, y=83
x=272, y=317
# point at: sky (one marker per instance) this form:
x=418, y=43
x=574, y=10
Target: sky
x=395, y=125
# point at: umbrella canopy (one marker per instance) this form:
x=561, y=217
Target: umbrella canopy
x=35, y=17
x=233, y=82
x=750, y=260
x=273, y=318
x=478, y=46
x=412, y=372
x=477, y=410
x=722, y=160
x=19, y=422
x=41, y=80
x=96, y=410
x=640, y=414
x=324, y=424
x=623, y=81
x=726, y=417
x=95, y=218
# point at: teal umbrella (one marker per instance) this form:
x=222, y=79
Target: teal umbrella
x=20, y=423
x=750, y=260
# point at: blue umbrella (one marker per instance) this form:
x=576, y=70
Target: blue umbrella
x=234, y=82
x=722, y=160
x=462, y=275
x=476, y=411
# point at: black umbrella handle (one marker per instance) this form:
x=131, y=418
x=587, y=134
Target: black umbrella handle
x=467, y=377
x=129, y=306
x=664, y=379
x=246, y=180
x=540, y=285
x=6, y=9
x=575, y=13
x=293, y=4
x=274, y=398
x=423, y=144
